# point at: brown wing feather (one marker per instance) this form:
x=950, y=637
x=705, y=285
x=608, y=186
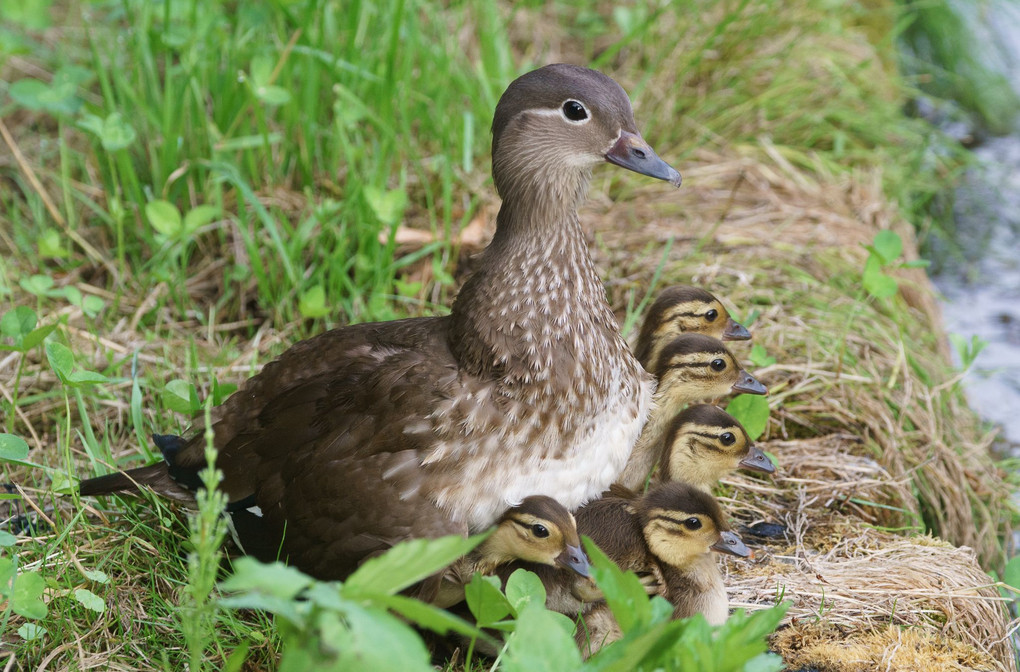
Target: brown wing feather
x=358, y=408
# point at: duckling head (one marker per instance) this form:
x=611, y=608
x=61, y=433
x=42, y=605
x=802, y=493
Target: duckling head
x=704, y=443
x=538, y=530
x=554, y=124
x=682, y=524
x=682, y=309
x=695, y=367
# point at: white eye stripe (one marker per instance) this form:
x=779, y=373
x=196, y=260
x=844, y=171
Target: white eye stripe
x=558, y=112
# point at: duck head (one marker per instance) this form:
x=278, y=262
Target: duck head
x=695, y=367
x=683, y=309
x=554, y=124
x=538, y=530
x=704, y=443
x=681, y=524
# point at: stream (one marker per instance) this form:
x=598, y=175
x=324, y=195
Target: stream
x=981, y=284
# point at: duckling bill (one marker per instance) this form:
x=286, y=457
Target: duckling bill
x=372, y=433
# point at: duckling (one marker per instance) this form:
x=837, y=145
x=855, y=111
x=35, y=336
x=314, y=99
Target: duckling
x=704, y=443
x=667, y=533
x=540, y=531
x=372, y=433
x=692, y=368
x=682, y=309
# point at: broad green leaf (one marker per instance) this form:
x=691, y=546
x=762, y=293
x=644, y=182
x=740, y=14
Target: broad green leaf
x=13, y=447
x=7, y=573
x=73, y=295
x=50, y=245
x=91, y=123
x=524, y=588
x=626, y=654
x=624, y=593
x=285, y=608
x=1011, y=575
x=92, y=305
x=37, y=284
x=752, y=411
x=407, y=563
x=388, y=206
x=181, y=396
x=198, y=217
x=117, y=133
x=313, y=302
x=90, y=600
x=96, y=575
x=83, y=378
x=30, y=631
x=62, y=483
x=25, y=598
x=273, y=578
x=29, y=93
x=917, y=263
x=760, y=357
x=61, y=359
x=7, y=539
x=368, y=640
x=875, y=282
x=484, y=599
x=888, y=245
x=37, y=336
x=164, y=217
x=542, y=642
x=17, y=322
x=428, y=616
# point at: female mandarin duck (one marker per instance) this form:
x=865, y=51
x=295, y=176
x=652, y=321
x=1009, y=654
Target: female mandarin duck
x=369, y=434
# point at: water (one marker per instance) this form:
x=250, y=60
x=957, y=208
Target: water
x=982, y=290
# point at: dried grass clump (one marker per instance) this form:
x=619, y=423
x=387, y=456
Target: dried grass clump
x=829, y=472
x=877, y=580
x=869, y=425
x=827, y=648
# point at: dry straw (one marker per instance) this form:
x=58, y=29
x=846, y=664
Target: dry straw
x=874, y=440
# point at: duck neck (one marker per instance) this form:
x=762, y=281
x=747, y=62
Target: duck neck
x=536, y=301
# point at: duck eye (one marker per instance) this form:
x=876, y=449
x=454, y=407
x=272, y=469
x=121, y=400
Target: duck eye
x=728, y=439
x=540, y=531
x=692, y=524
x=718, y=364
x=574, y=111
x=711, y=315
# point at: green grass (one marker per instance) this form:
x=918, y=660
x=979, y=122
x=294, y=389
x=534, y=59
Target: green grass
x=203, y=183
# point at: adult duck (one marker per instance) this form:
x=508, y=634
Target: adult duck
x=373, y=433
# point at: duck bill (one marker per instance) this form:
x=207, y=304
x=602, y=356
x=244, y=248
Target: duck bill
x=734, y=331
x=756, y=460
x=731, y=544
x=633, y=153
x=574, y=558
x=748, y=384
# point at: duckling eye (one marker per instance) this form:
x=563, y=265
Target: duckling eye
x=718, y=364
x=692, y=524
x=540, y=531
x=574, y=111
x=711, y=315
x=728, y=439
